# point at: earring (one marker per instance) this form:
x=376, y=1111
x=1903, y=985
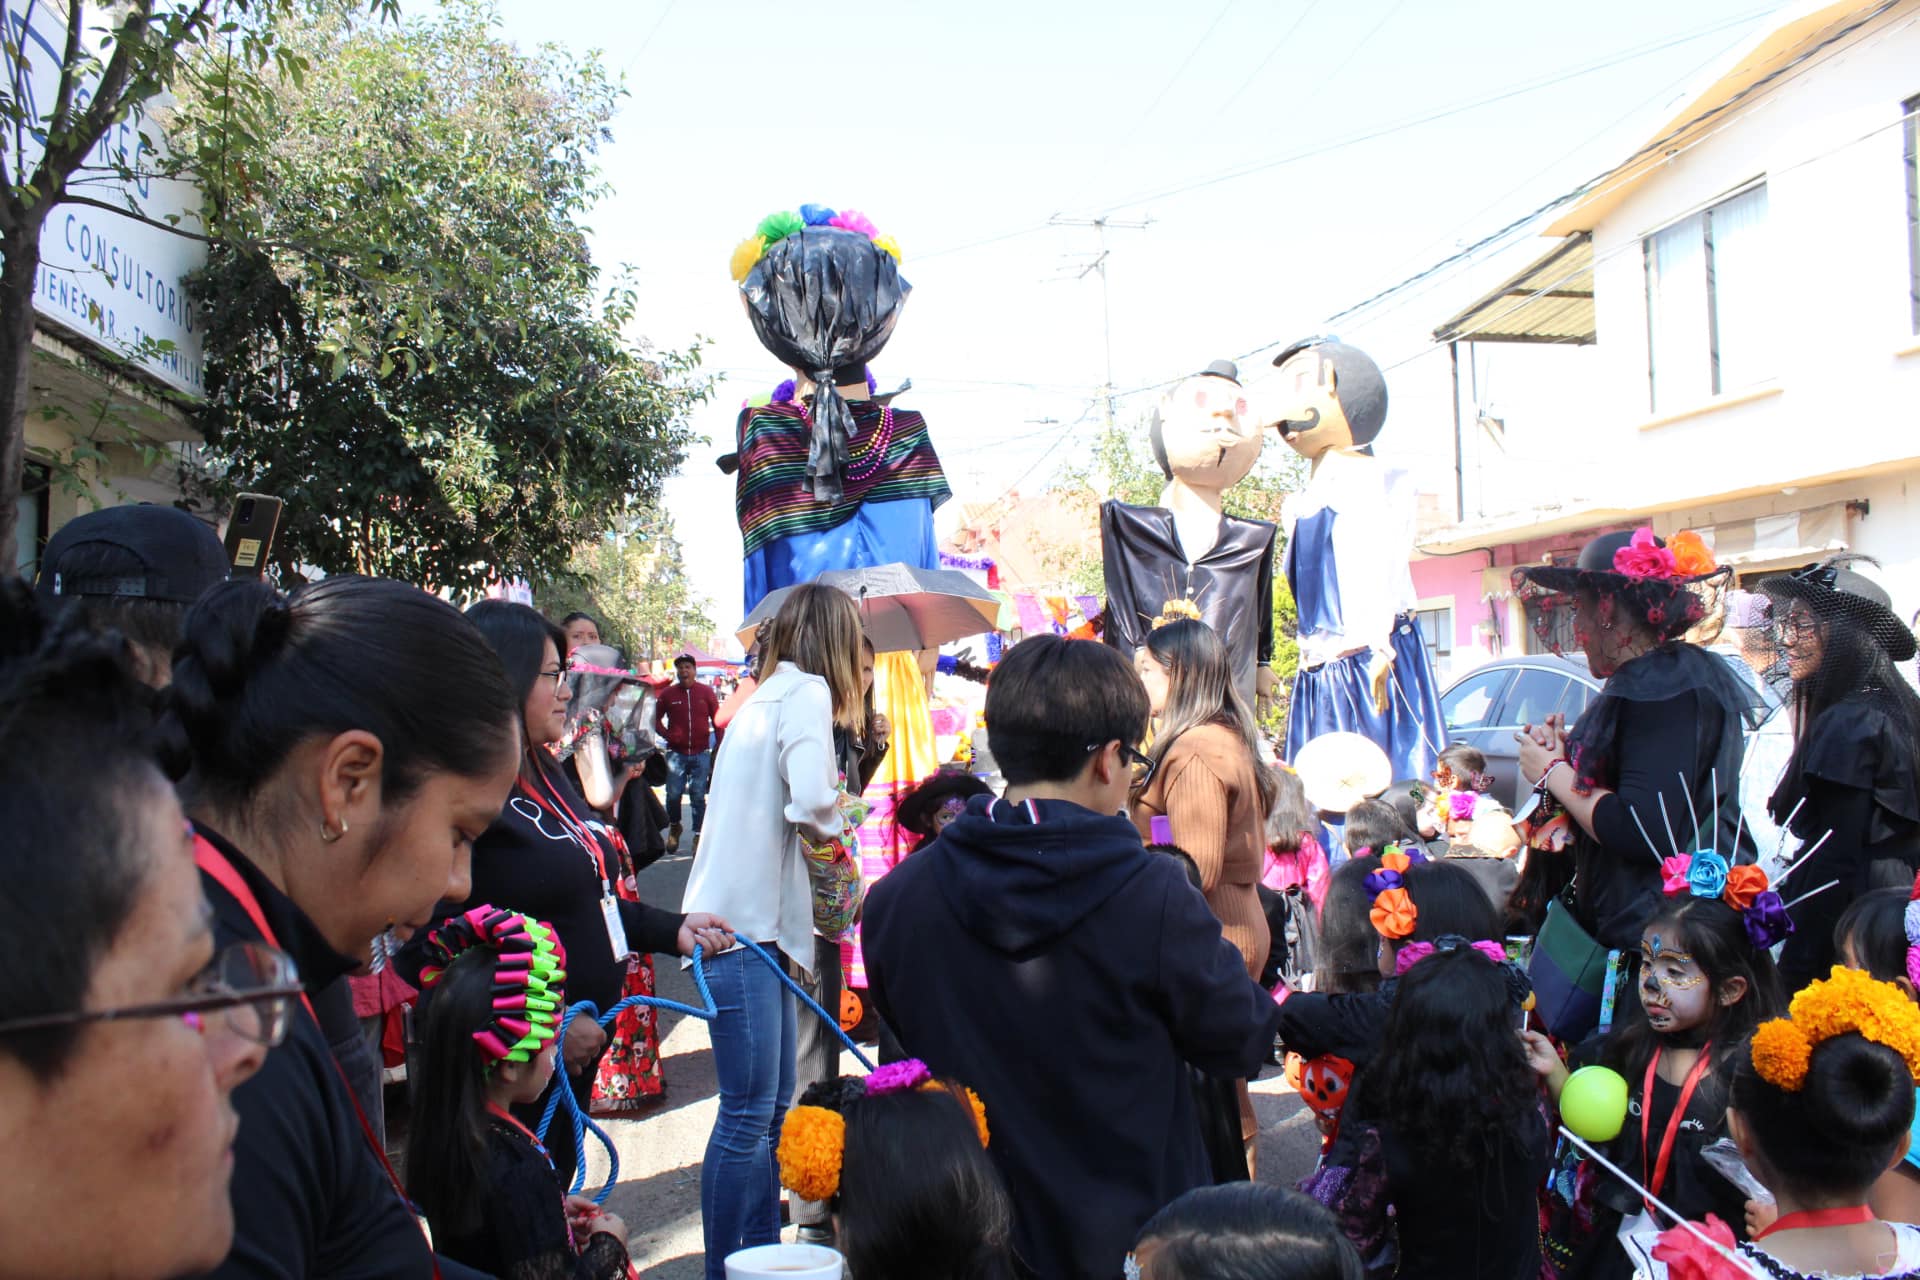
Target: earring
x=1606, y=626
x=329, y=836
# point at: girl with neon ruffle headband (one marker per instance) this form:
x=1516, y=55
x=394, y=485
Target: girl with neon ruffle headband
x=828, y=477
x=485, y=1182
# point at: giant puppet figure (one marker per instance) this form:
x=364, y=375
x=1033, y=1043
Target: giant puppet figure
x=1363, y=666
x=1187, y=557
x=828, y=478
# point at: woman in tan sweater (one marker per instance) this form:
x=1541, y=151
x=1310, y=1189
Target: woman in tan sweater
x=1209, y=784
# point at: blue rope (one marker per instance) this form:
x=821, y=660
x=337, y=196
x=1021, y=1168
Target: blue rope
x=583, y=1124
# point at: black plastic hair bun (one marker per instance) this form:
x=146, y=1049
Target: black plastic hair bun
x=1859, y=1091
x=834, y=1095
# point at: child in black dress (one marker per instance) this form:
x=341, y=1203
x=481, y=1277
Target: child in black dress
x=1704, y=984
x=481, y=1177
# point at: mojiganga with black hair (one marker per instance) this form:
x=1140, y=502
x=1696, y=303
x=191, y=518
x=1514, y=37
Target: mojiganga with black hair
x=1053, y=702
x=73, y=721
x=920, y=1198
x=1245, y=1231
x=258, y=673
x=1832, y=1138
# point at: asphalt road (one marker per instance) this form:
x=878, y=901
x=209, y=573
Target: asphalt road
x=660, y=1152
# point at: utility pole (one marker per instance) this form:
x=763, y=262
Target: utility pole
x=1099, y=264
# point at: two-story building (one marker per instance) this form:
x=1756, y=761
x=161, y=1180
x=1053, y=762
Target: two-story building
x=1747, y=284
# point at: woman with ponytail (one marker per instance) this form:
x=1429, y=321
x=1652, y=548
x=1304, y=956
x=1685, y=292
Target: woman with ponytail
x=340, y=750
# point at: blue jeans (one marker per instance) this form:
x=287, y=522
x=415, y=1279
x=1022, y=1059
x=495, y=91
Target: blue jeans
x=754, y=1037
x=687, y=775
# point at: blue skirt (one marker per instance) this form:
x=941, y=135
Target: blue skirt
x=1338, y=698
x=898, y=532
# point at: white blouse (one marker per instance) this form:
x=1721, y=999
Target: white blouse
x=775, y=775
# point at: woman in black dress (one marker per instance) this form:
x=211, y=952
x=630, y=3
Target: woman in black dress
x=1646, y=752
x=1854, y=776
x=548, y=855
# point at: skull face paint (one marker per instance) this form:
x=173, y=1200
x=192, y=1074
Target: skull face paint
x=1673, y=988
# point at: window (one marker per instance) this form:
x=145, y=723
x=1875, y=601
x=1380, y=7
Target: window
x=1436, y=632
x=1911, y=128
x=1469, y=704
x=1708, y=304
x=1538, y=693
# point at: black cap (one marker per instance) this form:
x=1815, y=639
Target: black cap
x=154, y=553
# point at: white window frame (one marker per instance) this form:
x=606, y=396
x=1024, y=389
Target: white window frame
x=1705, y=214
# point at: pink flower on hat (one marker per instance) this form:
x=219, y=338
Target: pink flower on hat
x=1643, y=557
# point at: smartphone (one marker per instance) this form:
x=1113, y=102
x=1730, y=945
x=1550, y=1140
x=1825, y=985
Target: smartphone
x=256, y=518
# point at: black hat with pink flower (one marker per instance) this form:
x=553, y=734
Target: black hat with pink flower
x=1666, y=584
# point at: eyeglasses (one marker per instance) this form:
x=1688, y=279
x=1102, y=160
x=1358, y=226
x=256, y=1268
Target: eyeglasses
x=1143, y=765
x=555, y=675
x=1797, y=624
x=247, y=989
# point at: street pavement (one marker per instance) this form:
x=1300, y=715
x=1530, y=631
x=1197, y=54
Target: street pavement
x=660, y=1151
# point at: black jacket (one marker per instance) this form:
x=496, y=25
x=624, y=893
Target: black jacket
x=309, y=1196
x=1067, y=976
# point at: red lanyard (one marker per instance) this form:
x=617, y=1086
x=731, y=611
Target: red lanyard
x=214, y=863
x=565, y=815
x=1852, y=1215
x=1659, y=1177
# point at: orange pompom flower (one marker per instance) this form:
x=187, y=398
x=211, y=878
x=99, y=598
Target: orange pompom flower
x=813, y=1142
x=1394, y=914
x=1692, y=557
x=1395, y=859
x=1781, y=1054
x=1744, y=884
x=979, y=1116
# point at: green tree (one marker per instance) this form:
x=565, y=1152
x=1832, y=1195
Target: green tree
x=56, y=114
x=633, y=580
x=432, y=380
x=1120, y=466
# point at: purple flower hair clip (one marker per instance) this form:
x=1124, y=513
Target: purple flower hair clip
x=898, y=1077
x=1767, y=921
x=1378, y=882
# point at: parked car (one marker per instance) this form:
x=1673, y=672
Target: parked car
x=1488, y=705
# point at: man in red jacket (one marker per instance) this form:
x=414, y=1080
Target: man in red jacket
x=683, y=716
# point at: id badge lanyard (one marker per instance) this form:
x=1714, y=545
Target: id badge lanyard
x=596, y=858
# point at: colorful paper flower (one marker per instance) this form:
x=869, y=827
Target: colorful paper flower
x=1394, y=914
x=777, y=226
x=854, y=220
x=897, y=1077
x=1781, y=1054
x=1692, y=557
x=1688, y=1257
x=1462, y=803
x=1766, y=920
x=1673, y=874
x=1744, y=884
x=1643, y=557
x=1707, y=876
x=1378, y=882
x=813, y=1141
x=889, y=245
x=745, y=255
x=1398, y=859
x=817, y=215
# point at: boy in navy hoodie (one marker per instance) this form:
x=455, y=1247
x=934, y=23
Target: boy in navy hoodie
x=1039, y=954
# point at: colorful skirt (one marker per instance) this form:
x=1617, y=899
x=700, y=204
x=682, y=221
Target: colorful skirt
x=629, y=1073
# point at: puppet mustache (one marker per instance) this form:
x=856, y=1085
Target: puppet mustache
x=1292, y=426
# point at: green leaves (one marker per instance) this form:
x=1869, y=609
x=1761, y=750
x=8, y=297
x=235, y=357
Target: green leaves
x=404, y=337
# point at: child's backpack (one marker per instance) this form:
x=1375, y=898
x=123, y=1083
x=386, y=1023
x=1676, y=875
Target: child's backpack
x=1295, y=948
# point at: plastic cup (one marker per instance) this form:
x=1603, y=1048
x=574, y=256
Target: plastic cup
x=785, y=1262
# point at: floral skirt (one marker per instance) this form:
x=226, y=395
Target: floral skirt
x=629, y=1072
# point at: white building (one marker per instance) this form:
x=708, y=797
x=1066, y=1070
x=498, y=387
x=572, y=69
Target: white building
x=1747, y=284
x=117, y=357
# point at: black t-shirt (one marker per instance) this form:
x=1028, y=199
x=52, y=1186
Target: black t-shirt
x=1482, y=1220
x=522, y=1232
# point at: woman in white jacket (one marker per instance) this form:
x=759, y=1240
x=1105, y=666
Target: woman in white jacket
x=776, y=776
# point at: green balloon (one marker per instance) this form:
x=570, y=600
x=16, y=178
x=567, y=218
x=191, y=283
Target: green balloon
x=778, y=226
x=1593, y=1103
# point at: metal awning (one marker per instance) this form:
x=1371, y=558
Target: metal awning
x=1551, y=301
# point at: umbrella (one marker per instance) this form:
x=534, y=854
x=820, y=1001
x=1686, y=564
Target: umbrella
x=901, y=607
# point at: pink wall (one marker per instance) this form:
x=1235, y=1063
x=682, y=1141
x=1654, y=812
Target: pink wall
x=1459, y=576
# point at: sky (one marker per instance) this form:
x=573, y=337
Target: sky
x=1292, y=158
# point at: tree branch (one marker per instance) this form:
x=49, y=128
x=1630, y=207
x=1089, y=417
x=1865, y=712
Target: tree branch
x=58, y=122
x=292, y=246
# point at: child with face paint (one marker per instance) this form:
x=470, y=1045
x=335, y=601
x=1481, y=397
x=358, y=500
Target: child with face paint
x=1705, y=982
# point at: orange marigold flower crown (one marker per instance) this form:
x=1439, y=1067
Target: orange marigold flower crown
x=813, y=1139
x=1848, y=1000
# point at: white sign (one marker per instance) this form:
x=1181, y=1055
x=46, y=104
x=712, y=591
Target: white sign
x=108, y=276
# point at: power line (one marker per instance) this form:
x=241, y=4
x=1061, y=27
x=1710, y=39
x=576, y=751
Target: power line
x=1272, y=53
x=1173, y=79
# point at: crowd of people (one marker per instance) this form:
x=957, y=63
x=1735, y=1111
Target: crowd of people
x=227, y=801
